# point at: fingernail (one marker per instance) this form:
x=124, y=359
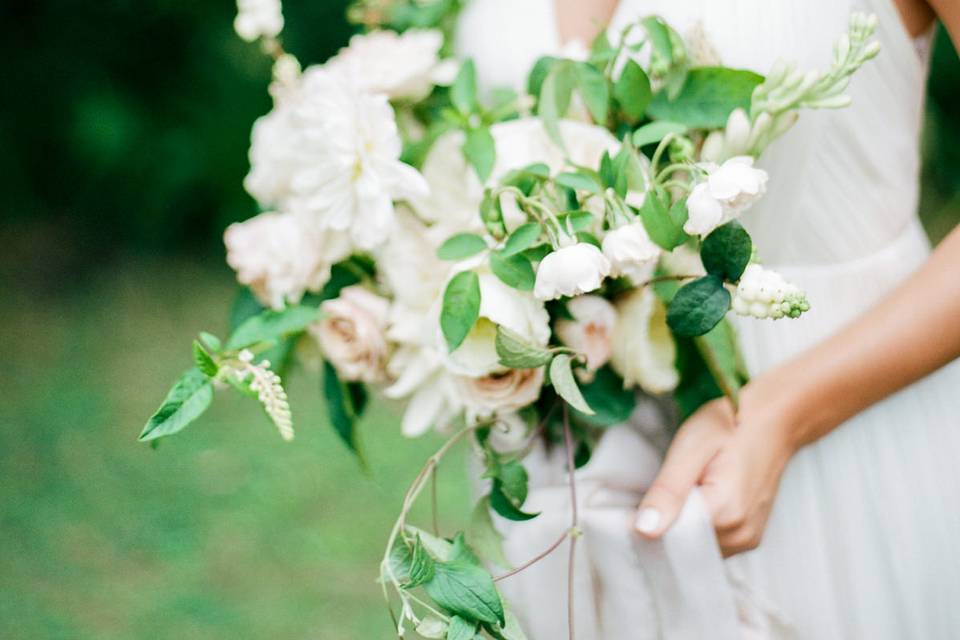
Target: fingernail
x=647, y=520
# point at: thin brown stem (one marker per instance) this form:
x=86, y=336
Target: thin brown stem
x=433, y=501
x=574, y=520
x=529, y=563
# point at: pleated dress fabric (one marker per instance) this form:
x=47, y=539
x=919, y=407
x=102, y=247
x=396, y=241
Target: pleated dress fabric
x=862, y=541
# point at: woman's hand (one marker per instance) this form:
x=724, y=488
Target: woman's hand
x=736, y=460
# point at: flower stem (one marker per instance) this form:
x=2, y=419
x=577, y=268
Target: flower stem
x=575, y=519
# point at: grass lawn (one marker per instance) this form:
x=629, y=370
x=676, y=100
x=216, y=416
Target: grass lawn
x=223, y=532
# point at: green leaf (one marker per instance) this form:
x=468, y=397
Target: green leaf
x=632, y=90
x=460, y=629
x=463, y=93
x=400, y=560
x=541, y=69
x=211, y=341
x=698, y=307
x=726, y=251
x=659, y=34
x=187, y=400
x=657, y=131
x=707, y=97
x=513, y=481
x=203, y=360
x=521, y=239
x=718, y=347
x=516, y=353
x=512, y=630
x=514, y=271
x=555, y=97
x=505, y=507
x=605, y=394
x=576, y=220
x=580, y=181
x=439, y=548
x=466, y=590
x=460, y=246
x=270, y=326
x=421, y=566
x=561, y=376
x=661, y=226
x=345, y=404
x=461, y=308
x=460, y=550
x=596, y=94
x=483, y=536
x=480, y=151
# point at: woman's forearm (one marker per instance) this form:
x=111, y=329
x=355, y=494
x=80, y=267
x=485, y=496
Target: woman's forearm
x=910, y=333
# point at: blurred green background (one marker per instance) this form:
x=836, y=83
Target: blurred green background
x=124, y=128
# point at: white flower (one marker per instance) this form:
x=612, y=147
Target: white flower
x=501, y=305
x=280, y=259
x=503, y=391
x=403, y=65
x=509, y=433
x=330, y=153
x=352, y=334
x=643, y=348
x=591, y=330
x=631, y=252
x=728, y=191
x=571, y=270
x=455, y=190
x=258, y=19
x=763, y=293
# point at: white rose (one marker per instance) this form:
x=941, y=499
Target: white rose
x=509, y=434
x=728, y=191
x=631, y=252
x=763, y=293
x=643, y=348
x=591, y=330
x=403, y=65
x=280, y=258
x=331, y=153
x=502, y=305
x=352, y=334
x=503, y=391
x=571, y=270
x=258, y=18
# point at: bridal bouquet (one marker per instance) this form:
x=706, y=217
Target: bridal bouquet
x=513, y=266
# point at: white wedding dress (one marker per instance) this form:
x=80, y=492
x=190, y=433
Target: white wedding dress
x=862, y=542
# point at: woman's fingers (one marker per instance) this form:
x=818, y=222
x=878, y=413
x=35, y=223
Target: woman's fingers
x=692, y=449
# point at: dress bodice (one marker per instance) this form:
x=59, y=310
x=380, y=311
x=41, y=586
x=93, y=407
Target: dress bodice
x=843, y=183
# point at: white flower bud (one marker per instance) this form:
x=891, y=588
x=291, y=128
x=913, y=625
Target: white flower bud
x=762, y=293
x=631, y=252
x=258, y=19
x=728, y=191
x=569, y=271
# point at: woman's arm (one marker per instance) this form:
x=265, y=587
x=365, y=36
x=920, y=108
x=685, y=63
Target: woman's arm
x=737, y=459
x=579, y=20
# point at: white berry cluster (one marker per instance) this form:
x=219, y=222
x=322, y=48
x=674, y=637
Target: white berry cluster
x=763, y=293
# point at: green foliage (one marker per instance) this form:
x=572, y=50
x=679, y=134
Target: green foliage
x=664, y=225
x=561, y=376
x=605, y=394
x=707, y=97
x=422, y=566
x=460, y=629
x=461, y=308
x=656, y=131
x=554, y=98
x=466, y=590
x=204, y=362
x=632, y=91
x=271, y=326
x=345, y=406
x=726, y=251
x=514, y=352
x=513, y=270
x=460, y=246
x=190, y=396
x=594, y=90
x=698, y=307
x=481, y=151
x=463, y=93
x=522, y=238
x=580, y=180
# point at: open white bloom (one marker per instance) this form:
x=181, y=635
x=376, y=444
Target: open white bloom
x=280, y=258
x=352, y=334
x=643, y=347
x=501, y=305
x=258, y=19
x=631, y=252
x=403, y=65
x=502, y=391
x=728, y=191
x=331, y=153
x=763, y=293
x=591, y=330
x=573, y=269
